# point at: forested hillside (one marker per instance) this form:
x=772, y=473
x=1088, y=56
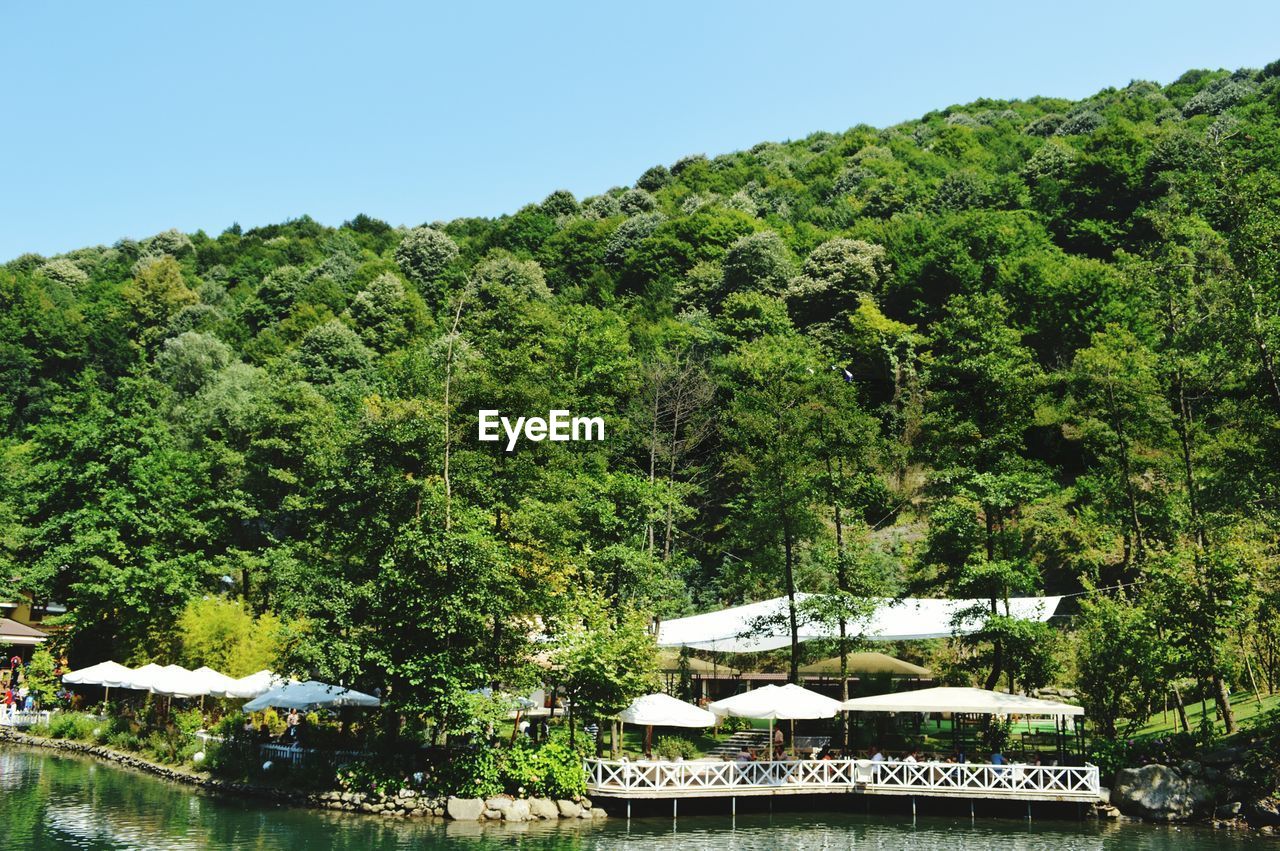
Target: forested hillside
x=1009, y=348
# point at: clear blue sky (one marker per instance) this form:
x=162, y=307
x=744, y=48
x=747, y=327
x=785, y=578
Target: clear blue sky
x=123, y=119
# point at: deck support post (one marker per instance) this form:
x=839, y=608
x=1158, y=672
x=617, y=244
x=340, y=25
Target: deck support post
x=1028, y=811
x=628, y=809
x=674, y=804
x=913, y=808
x=733, y=805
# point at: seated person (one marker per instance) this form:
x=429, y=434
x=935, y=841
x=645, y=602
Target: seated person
x=745, y=755
x=876, y=755
x=997, y=758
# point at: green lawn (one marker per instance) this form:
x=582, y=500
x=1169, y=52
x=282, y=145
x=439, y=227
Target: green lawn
x=1244, y=704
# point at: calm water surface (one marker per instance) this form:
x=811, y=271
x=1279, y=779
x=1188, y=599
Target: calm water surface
x=53, y=801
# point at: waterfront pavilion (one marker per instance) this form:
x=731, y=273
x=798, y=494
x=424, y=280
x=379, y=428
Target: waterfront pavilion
x=960, y=702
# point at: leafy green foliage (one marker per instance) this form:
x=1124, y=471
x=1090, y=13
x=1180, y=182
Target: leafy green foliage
x=1006, y=348
x=671, y=747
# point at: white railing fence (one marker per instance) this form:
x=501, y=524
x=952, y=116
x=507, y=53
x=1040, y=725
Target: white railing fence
x=298, y=755
x=23, y=718
x=841, y=775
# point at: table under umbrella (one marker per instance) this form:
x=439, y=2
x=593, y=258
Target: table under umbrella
x=663, y=710
x=778, y=703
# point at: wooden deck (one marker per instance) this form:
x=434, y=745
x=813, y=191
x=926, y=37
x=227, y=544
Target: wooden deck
x=711, y=779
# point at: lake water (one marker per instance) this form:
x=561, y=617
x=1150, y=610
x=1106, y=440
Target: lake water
x=55, y=801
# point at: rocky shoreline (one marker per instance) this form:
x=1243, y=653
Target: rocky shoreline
x=1209, y=789
x=403, y=804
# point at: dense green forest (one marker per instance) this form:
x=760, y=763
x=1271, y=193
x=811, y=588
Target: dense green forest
x=1009, y=348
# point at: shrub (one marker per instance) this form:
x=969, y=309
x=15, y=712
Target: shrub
x=123, y=740
x=188, y=721
x=72, y=725
x=472, y=774
x=166, y=745
x=551, y=770
x=232, y=758
x=370, y=777
x=670, y=747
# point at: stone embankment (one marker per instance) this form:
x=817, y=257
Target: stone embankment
x=405, y=803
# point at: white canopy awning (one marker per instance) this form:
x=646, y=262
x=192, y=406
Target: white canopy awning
x=177, y=681
x=779, y=703
x=310, y=695
x=212, y=681
x=734, y=630
x=950, y=699
x=663, y=710
x=109, y=674
x=250, y=686
x=142, y=679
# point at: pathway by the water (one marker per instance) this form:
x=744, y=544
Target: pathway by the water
x=53, y=801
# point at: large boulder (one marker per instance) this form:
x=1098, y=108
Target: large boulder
x=464, y=809
x=568, y=809
x=518, y=811
x=1161, y=793
x=1264, y=813
x=498, y=802
x=543, y=808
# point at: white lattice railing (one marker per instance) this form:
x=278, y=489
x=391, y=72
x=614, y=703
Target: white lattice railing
x=296, y=755
x=23, y=719
x=977, y=779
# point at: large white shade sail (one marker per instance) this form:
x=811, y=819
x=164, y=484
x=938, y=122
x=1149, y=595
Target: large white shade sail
x=952, y=699
x=663, y=710
x=761, y=626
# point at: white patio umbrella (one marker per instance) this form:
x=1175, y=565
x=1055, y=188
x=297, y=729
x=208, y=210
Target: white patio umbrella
x=211, y=681
x=250, y=686
x=663, y=710
x=955, y=699
x=310, y=695
x=778, y=703
x=177, y=681
x=106, y=674
x=143, y=678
